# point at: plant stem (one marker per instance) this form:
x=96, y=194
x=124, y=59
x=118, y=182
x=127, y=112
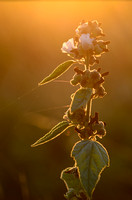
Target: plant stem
x=88, y=109
x=89, y=104
x=87, y=66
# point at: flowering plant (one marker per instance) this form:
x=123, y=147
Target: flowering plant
x=89, y=155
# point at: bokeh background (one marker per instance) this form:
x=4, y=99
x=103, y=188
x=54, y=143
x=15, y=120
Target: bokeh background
x=31, y=35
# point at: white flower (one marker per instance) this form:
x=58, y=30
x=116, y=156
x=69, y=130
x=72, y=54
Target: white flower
x=86, y=41
x=81, y=28
x=68, y=46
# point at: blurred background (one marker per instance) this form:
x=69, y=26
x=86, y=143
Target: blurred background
x=31, y=36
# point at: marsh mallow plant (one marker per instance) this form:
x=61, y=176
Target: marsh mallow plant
x=90, y=156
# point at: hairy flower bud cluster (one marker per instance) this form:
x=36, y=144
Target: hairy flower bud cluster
x=90, y=79
x=92, y=130
x=99, y=129
x=84, y=128
x=86, y=42
x=92, y=27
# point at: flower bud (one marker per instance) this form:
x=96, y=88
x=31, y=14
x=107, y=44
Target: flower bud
x=73, y=82
x=95, y=76
x=101, y=124
x=86, y=73
x=101, y=133
x=97, y=50
x=101, y=91
x=98, y=126
x=86, y=81
x=97, y=32
x=102, y=44
x=83, y=28
x=76, y=79
x=85, y=133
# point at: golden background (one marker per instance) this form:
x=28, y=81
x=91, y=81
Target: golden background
x=31, y=36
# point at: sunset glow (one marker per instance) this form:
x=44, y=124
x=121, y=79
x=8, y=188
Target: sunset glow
x=32, y=34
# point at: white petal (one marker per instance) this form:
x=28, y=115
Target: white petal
x=68, y=46
x=86, y=41
x=64, y=48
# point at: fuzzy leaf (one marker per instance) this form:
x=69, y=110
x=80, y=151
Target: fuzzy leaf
x=70, y=178
x=80, y=98
x=57, y=72
x=53, y=133
x=91, y=158
x=72, y=181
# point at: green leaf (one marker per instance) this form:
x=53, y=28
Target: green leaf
x=71, y=179
x=80, y=98
x=57, y=72
x=53, y=133
x=91, y=158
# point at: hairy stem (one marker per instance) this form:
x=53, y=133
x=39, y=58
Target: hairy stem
x=88, y=109
x=87, y=66
x=89, y=104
